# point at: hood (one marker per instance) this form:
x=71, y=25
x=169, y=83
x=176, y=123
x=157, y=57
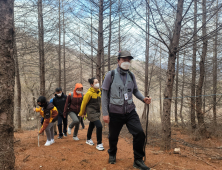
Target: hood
x=78, y=85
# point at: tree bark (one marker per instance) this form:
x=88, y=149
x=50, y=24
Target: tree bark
x=18, y=83
x=100, y=42
x=41, y=49
x=119, y=36
x=110, y=32
x=92, y=45
x=193, y=84
x=177, y=79
x=200, y=114
x=64, y=50
x=147, y=59
x=170, y=77
x=7, y=81
x=160, y=78
x=215, y=73
x=60, y=70
x=181, y=105
x=80, y=56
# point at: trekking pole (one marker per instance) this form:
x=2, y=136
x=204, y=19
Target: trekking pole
x=38, y=135
x=147, y=120
x=38, y=127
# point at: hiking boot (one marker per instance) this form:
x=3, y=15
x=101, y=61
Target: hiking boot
x=100, y=147
x=52, y=141
x=48, y=143
x=60, y=137
x=64, y=134
x=139, y=164
x=69, y=131
x=75, y=138
x=55, y=133
x=112, y=159
x=89, y=142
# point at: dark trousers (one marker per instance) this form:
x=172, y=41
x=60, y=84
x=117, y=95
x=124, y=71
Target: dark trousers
x=134, y=126
x=61, y=120
x=81, y=121
x=99, y=128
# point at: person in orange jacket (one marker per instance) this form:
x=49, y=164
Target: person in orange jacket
x=72, y=108
x=50, y=114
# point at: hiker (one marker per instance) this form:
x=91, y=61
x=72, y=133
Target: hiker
x=59, y=102
x=118, y=108
x=50, y=114
x=91, y=104
x=55, y=124
x=72, y=108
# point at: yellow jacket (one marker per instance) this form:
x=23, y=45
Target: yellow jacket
x=91, y=104
x=40, y=110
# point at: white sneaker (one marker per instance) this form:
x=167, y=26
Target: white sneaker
x=89, y=142
x=48, y=143
x=75, y=138
x=52, y=141
x=100, y=147
x=69, y=131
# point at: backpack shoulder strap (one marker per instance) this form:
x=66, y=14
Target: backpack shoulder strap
x=112, y=75
x=71, y=96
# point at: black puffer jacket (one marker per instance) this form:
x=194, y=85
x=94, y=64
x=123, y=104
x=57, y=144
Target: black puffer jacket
x=59, y=103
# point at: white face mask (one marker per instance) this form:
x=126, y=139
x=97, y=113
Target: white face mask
x=59, y=94
x=78, y=92
x=125, y=65
x=96, y=86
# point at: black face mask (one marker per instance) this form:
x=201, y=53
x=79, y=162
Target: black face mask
x=42, y=105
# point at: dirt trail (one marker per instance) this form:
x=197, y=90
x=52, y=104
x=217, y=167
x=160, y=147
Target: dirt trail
x=67, y=154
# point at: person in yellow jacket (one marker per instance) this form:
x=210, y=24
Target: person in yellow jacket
x=50, y=114
x=91, y=105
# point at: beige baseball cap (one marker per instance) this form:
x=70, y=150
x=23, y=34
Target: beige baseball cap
x=124, y=54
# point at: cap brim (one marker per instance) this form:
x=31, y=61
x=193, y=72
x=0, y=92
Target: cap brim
x=126, y=56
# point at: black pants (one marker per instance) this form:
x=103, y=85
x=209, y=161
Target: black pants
x=134, y=126
x=81, y=121
x=99, y=128
x=61, y=120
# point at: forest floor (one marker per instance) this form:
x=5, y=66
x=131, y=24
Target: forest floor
x=67, y=154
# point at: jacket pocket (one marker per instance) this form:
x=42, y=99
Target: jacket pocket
x=116, y=101
x=130, y=101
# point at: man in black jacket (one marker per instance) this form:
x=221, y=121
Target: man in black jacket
x=59, y=102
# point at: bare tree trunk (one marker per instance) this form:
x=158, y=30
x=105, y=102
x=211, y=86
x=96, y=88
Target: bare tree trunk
x=100, y=42
x=110, y=33
x=181, y=105
x=170, y=77
x=147, y=60
x=60, y=70
x=177, y=79
x=92, y=44
x=200, y=114
x=215, y=73
x=204, y=91
x=160, y=78
x=64, y=49
x=7, y=81
x=41, y=49
x=193, y=84
x=18, y=83
x=80, y=56
x=119, y=25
